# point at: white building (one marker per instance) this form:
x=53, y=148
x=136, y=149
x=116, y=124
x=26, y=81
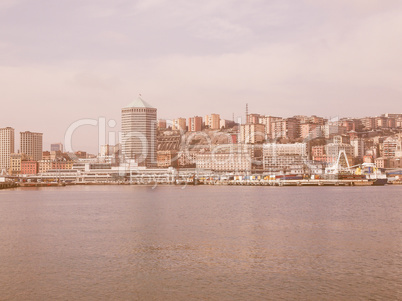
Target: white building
x=6, y=147
x=226, y=158
x=358, y=147
x=139, y=141
x=284, y=157
x=276, y=149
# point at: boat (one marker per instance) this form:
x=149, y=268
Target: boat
x=373, y=174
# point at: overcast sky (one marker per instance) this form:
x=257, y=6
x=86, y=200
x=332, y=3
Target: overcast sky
x=64, y=60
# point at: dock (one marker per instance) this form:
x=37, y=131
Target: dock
x=320, y=182
x=8, y=185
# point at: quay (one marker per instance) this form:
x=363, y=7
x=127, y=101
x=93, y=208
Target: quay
x=152, y=182
x=303, y=183
x=44, y=184
x=191, y=176
x=8, y=185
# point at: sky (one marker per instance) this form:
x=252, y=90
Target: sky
x=68, y=60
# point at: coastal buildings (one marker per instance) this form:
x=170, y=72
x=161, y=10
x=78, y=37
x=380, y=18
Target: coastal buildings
x=226, y=159
x=6, y=147
x=288, y=128
x=332, y=128
x=332, y=151
x=167, y=158
x=29, y=167
x=368, y=123
x=195, y=124
x=106, y=150
x=253, y=118
x=284, y=157
x=16, y=162
x=44, y=165
x=212, y=121
x=139, y=139
x=162, y=124
x=56, y=147
x=389, y=147
x=252, y=133
x=32, y=145
x=179, y=124
x=276, y=149
x=310, y=131
x=268, y=121
x=358, y=146
x=265, y=144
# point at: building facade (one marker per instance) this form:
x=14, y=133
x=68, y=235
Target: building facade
x=288, y=128
x=284, y=157
x=212, y=121
x=15, y=163
x=56, y=147
x=228, y=161
x=6, y=147
x=32, y=145
x=195, y=124
x=179, y=124
x=167, y=158
x=29, y=167
x=162, y=124
x=358, y=145
x=252, y=133
x=139, y=138
x=389, y=147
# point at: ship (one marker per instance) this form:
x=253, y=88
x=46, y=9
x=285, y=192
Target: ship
x=372, y=174
x=367, y=171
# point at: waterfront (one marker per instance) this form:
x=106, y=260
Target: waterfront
x=201, y=242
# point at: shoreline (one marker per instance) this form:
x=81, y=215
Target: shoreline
x=287, y=183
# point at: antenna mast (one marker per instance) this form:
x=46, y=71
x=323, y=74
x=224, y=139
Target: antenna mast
x=246, y=113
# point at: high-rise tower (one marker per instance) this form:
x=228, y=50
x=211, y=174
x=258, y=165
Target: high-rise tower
x=6, y=147
x=32, y=145
x=139, y=142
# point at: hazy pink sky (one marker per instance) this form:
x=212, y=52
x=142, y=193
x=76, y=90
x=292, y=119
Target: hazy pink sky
x=61, y=61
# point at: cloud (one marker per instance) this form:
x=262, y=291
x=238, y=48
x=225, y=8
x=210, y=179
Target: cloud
x=190, y=58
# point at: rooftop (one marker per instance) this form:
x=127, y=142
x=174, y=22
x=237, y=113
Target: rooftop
x=139, y=103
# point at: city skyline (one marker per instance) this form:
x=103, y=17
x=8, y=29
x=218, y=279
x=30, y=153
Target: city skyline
x=281, y=57
x=112, y=129
x=93, y=145
x=200, y=150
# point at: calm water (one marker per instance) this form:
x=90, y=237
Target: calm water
x=201, y=243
